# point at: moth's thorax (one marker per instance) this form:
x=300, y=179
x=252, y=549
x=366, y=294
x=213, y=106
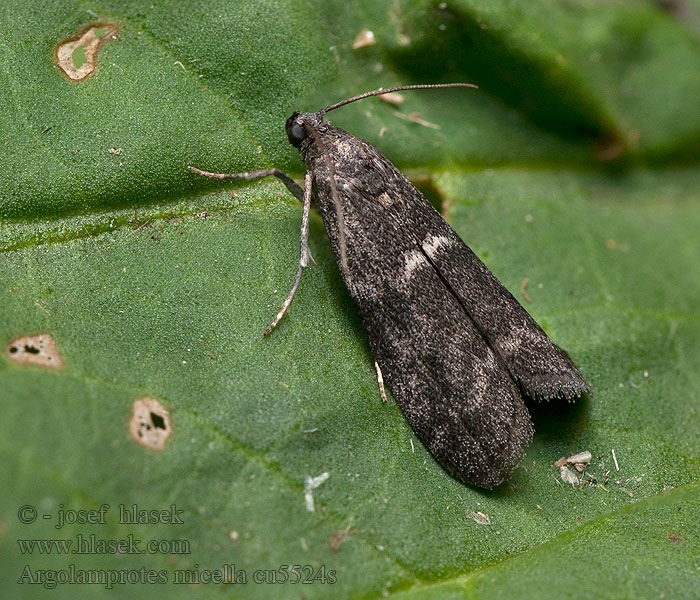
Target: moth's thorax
x=354, y=165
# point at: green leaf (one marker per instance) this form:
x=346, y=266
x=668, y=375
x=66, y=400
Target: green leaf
x=573, y=172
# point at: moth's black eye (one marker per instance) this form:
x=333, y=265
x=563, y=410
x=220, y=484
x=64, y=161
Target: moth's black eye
x=296, y=134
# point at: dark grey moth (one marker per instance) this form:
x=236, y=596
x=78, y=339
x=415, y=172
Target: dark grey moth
x=456, y=349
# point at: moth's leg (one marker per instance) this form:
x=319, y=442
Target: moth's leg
x=292, y=185
x=304, y=253
x=380, y=381
x=304, y=196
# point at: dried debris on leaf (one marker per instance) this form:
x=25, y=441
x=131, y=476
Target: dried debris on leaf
x=363, y=39
x=568, y=476
x=478, y=517
x=580, y=458
x=598, y=475
x=309, y=486
x=392, y=98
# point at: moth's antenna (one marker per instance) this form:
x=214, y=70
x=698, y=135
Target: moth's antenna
x=380, y=91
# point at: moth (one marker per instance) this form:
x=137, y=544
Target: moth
x=456, y=349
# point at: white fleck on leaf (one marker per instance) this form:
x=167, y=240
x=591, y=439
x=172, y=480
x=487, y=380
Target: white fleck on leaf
x=478, y=517
x=568, y=476
x=311, y=484
x=581, y=457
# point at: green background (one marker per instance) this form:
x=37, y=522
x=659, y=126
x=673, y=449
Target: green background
x=575, y=165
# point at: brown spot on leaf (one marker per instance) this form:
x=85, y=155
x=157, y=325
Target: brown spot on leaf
x=613, y=245
x=77, y=56
x=38, y=350
x=676, y=538
x=150, y=423
x=337, y=539
x=609, y=148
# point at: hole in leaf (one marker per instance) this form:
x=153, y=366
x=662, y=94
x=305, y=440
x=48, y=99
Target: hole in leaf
x=157, y=421
x=35, y=350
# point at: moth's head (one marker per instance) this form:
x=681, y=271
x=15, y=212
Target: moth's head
x=298, y=126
